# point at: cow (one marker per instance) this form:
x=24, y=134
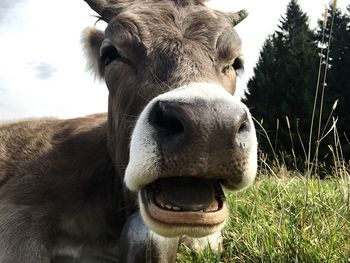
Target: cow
x=132, y=184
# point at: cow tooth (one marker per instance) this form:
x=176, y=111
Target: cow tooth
x=168, y=206
x=175, y=208
x=162, y=205
x=209, y=210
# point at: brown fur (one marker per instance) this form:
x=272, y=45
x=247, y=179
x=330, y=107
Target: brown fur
x=61, y=180
x=57, y=179
x=167, y=46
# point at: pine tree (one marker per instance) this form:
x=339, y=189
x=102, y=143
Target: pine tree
x=261, y=88
x=285, y=79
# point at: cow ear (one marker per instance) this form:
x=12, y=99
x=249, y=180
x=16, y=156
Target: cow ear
x=237, y=17
x=92, y=39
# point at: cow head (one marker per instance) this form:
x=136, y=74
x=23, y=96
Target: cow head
x=178, y=131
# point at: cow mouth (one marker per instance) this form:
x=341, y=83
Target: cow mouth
x=185, y=202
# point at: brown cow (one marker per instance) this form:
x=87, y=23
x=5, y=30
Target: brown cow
x=130, y=185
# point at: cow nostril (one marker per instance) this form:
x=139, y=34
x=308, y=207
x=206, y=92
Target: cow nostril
x=163, y=118
x=244, y=127
x=243, y=124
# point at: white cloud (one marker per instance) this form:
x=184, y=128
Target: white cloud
x=33, y=40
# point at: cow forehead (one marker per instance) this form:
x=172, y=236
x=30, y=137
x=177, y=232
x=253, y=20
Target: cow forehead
x=154, y=23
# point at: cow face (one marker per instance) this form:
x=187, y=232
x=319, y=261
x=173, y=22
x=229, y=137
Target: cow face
x=178, y=131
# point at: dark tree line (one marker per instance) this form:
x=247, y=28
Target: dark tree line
x=291, y=65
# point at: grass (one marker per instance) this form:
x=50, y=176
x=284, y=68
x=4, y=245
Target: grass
x=285, y=220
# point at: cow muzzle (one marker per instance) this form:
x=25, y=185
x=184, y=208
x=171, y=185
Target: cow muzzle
x=186, y=145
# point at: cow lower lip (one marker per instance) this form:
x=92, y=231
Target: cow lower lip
x=165, y=206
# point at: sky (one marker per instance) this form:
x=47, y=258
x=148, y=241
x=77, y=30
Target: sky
x=42, y=65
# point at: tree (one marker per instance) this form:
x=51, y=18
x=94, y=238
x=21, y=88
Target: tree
x=284, y=81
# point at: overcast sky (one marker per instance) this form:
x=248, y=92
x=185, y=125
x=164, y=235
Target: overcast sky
x=42, y=67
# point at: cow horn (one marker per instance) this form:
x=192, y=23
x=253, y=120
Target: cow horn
x=100, y=7
x=237, y=17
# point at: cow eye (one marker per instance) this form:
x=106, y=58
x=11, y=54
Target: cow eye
x=108, y=53
x=237, y=64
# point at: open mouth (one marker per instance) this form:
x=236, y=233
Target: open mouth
x=185, y=202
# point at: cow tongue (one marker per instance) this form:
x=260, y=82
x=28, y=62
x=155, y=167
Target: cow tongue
x=187, y=193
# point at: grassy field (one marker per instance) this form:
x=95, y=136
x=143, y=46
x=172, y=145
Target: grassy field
x=285, y=220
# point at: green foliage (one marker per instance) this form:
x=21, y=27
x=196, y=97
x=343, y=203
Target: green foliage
x=283, y=88
x=285, y=77
x=285, y=220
